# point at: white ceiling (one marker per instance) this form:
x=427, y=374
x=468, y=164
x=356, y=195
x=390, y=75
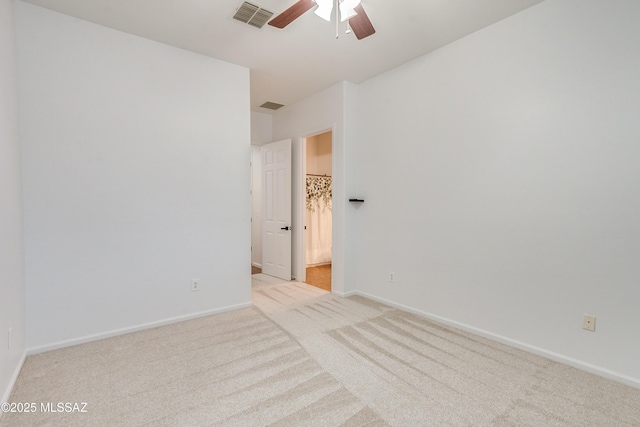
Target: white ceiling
x=304, y=58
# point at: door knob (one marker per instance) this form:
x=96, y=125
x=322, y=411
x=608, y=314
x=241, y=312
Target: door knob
x=285, y=228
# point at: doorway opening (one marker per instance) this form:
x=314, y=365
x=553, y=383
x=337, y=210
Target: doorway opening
x=318, y=210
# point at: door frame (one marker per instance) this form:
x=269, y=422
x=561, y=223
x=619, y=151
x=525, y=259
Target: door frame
x=300, y=210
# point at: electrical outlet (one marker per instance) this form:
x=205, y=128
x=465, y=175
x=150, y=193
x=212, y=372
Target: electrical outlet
x=195, y=285
x=589, y=322
x=392, y=277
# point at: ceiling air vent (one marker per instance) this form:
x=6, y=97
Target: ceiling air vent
x=271, y=105
x=252, y=15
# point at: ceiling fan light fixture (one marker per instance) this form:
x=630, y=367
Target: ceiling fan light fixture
x=346, y=13
x=324, y=9
x=352, y=12
x=347, y=9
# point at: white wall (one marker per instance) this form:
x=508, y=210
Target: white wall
x=323, y=111
x=261, y=128
x=12, y=283
x=502, y=183
x=136, y=179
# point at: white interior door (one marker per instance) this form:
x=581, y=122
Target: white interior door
x=276, y=209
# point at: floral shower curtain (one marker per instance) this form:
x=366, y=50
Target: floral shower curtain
x=318, y=220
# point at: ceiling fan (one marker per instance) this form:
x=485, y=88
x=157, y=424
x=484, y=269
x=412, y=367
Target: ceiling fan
x=350, y=10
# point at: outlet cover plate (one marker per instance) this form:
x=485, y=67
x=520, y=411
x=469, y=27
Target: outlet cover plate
x=589, y=322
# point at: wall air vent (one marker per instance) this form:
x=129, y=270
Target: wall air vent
x=252, y=15
x=271, y=105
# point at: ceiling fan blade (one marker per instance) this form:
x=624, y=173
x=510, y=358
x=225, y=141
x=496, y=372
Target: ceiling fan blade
x=360, y=24
x=291, y=14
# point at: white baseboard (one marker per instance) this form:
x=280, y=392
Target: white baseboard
x=14, y=378
x=597, y=370
x=256, y=264
x=116, y=332
x=345, y=294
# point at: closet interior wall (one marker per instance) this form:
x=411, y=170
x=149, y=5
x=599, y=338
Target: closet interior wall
x=318, y=216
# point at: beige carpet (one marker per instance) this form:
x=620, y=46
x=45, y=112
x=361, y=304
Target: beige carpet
x=302, y=356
